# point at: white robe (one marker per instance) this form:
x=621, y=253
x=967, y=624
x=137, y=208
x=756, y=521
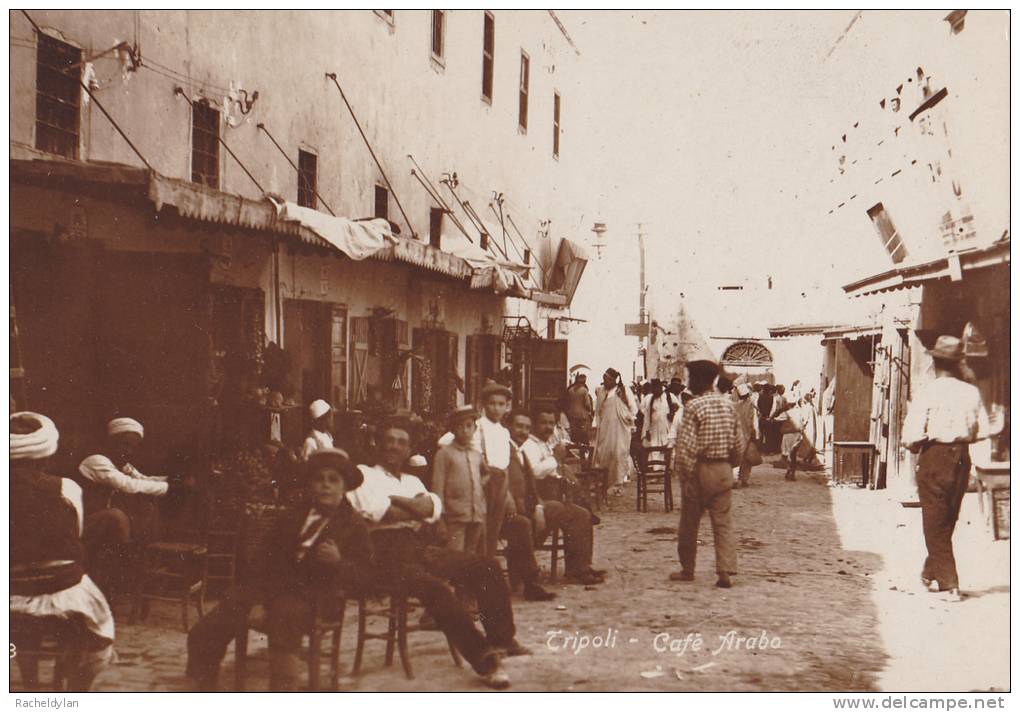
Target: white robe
x=612, y=438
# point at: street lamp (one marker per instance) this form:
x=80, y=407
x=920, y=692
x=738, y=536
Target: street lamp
x=599, y=229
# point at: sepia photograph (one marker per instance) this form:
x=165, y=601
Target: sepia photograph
x=522, y=350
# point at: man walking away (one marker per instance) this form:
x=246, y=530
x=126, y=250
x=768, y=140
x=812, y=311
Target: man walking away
x=945, y=416
x=710, y=442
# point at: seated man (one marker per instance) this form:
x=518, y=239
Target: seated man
x=318, y=550
x=397, y=506
x=48, y=579
x=120, y=504
x=537, y=497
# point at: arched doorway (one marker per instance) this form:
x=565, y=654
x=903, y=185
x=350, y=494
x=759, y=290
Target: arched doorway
x=750, y=359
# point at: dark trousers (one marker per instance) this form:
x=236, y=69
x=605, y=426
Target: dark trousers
x=520, y=550
x=710, y=488
x=580, y=430
x=106, y=536
x=408, y=566
x=943, y=472
x=288, y=620
x=575, y=523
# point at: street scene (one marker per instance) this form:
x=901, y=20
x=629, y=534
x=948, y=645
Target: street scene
x=370, y=351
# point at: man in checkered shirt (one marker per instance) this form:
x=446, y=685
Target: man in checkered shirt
x=710, y=440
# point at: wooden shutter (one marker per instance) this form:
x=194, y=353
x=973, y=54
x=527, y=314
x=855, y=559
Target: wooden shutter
x=338, y=356
x=548, y=372
x=359, y=359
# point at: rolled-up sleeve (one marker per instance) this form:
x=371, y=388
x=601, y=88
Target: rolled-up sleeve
x=418, y=487
x=102, y=471
x=541, y=467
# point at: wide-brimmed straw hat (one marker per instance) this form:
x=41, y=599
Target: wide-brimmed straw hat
x=336, y=459
x=948, y=348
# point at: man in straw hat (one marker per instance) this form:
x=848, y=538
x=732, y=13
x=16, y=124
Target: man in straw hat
x=709, y=444
x=48, y=579
x=318, y=550
x=944, y=418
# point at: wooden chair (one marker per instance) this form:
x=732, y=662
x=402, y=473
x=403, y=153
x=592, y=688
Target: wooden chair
x=654, y=475
x=594, y=479
x=397, y=628
x=41, y=639
x=172, y=572
x=256, y=526
x=327, y=622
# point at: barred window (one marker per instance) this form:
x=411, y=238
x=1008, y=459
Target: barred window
x=58, y=97
x=307, y=169
x=205, y=145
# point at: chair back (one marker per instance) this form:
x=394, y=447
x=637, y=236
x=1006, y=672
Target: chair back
x=654, y=466
x=257, y=524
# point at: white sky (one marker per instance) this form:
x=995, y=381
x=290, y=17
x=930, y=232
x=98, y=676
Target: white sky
x=714, y=129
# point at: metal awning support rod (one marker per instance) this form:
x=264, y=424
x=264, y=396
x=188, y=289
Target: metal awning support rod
x=98, y=104
x=433, y=192
x=180, y=92
x=545, y=270
x=262, y=127
x=503, y=225
x=332, y=75
x=474, y=214
x=473, y=218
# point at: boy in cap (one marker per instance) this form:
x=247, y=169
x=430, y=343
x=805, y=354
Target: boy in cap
x=317, y=551
x=457, y=481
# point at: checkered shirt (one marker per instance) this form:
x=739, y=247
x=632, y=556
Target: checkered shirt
x=709, y=431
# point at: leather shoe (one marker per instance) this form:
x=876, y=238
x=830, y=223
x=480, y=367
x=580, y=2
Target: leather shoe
x=534, y=592
x=724, y=581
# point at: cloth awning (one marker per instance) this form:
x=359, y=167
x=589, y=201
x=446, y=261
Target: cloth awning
x=952, y=267
x=358, y=239
x=571, y=259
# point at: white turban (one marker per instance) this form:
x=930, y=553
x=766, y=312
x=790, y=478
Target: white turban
x=124, y=425
x=38, y=444
x=319, y=408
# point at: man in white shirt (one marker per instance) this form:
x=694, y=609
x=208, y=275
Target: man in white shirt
x=119, y=502
x=944, y=418
x=397, y=507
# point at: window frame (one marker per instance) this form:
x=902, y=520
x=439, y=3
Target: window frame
x=488, y=56
x=440, y=57
x=436, y=216
x=310, y=187
x=381, y=189
x=213, y=156
x=557, y=124
x=71, y=136
x=523, y=93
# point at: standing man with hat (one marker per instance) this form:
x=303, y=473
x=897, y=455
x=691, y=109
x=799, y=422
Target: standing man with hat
x=320, y=437
x=708, y=445
x=944, y=418
x=317, y=551
x=747, y=418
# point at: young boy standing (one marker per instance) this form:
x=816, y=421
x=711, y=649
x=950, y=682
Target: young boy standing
x=457, y=481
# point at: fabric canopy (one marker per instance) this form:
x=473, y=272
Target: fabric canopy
x=504, y=276
x=358, y=240
x=571, y=259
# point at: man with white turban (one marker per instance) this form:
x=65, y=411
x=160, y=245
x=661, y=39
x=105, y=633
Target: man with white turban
x=48, y=580
x=119, y=506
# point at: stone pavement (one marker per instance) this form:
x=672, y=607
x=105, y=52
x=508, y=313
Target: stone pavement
x=933, y=645
x=800, y=616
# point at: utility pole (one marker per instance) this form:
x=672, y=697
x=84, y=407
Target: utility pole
x=643, y=313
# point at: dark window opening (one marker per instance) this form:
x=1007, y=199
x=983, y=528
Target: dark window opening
x=205, y=145
x=891, y=239
x=556, y=125
x=438, y=31
x=488, y=54
x=382, y=202
x=435, y=227
x=522, y=110
x=58, y=97
x=307, y=169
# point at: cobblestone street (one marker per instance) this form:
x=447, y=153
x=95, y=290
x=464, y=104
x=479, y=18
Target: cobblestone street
x=809, y=597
